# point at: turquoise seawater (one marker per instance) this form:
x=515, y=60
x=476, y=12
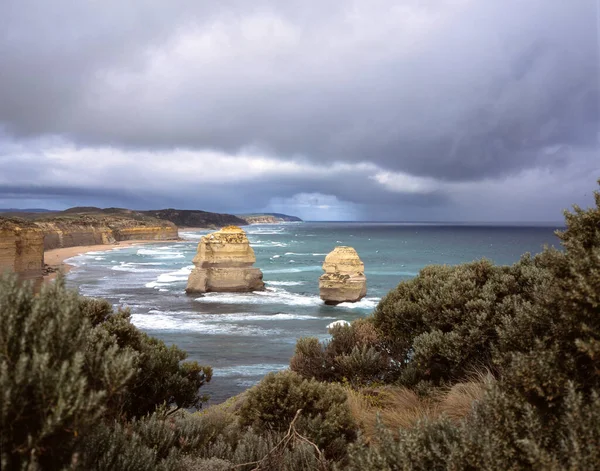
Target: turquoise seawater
x=244, y=336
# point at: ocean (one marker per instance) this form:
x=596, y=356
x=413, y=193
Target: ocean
x=244, y=336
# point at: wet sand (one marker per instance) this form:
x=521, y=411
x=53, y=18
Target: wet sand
x=56, y=258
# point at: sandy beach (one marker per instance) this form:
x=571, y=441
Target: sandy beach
x=56, y=258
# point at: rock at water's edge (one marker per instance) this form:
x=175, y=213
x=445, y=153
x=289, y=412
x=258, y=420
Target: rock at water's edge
x=223, y=263
x=344, y=279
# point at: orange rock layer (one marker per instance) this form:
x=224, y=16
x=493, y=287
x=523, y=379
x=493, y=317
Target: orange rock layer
x=22, y=250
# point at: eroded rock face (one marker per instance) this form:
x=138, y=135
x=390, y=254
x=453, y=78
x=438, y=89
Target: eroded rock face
x=224, y=263
x=98, y=231
x=344, y=279
x=21, y=249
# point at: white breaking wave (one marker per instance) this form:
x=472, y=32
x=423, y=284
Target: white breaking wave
x=260, y=369
x=269, y=245
x=172, y=277
x=270, y=296
x=192, y=323
x=285, y=283
x=364, y=303
x=149, y=263
x=239, y=317
x=161, y=253
x=288, y=254
x=292, y=270
x=392, y=273
x=266, y=230
x=133, y=268
x=192, y=235
x=336, y=323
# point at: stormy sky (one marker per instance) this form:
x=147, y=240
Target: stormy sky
x=419, y=110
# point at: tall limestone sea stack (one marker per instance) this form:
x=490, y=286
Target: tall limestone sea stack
x=344, y=279
x=224, y=263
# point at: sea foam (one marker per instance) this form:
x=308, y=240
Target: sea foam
x=193, y=323
x=270, y=296
x=364, y=303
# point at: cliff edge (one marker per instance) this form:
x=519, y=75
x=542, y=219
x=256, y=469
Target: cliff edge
x=268, y=218
x=93, y=226
x=21, y=248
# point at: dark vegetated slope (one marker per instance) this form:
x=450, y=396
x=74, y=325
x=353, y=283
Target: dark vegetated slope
x=196, y=218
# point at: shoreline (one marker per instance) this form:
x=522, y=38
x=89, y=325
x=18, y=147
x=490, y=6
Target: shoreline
x=55, y=258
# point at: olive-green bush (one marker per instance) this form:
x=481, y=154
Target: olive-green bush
x=436, y=328
x=443, y=324
x=555, y=340
x=161, y=376
x=355, y=355
x=69, y=365
x=49, y=352
x=544, y=411
x=325, y=418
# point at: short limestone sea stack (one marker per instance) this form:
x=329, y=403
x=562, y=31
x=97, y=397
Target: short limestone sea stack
x=224, y=264
x=344, y=279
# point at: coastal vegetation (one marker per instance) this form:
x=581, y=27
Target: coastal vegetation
x=474, y=366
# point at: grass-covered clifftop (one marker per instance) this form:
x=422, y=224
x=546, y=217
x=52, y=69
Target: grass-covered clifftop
x=269, y=218
x=468, y=367
x=196, y=218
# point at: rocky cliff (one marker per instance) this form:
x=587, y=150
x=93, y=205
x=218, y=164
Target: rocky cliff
x=344, y=279
x=21, y=248
x=94, y=229
x=269, y=218
x=224, y=263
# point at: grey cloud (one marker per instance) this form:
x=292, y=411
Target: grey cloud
x=481, y=95
x=487, y=92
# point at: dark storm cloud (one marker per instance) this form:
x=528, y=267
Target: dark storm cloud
x=418, y=109
x=456, y=90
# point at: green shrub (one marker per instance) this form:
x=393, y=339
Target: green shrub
x=555, y=340
x=544, y=411
x=248, y=446
x=325, y=418
x=433, y=330
x=161, y=377
x=119, y=446
x=209, y=464
x=96, y=310
x=68, y=364
x=442, y=325
x=353, y=355
x=48, y=353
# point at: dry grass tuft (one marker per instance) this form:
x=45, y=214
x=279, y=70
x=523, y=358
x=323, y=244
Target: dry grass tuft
x=399, y=407
x=458, y=401
x=396, y=407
